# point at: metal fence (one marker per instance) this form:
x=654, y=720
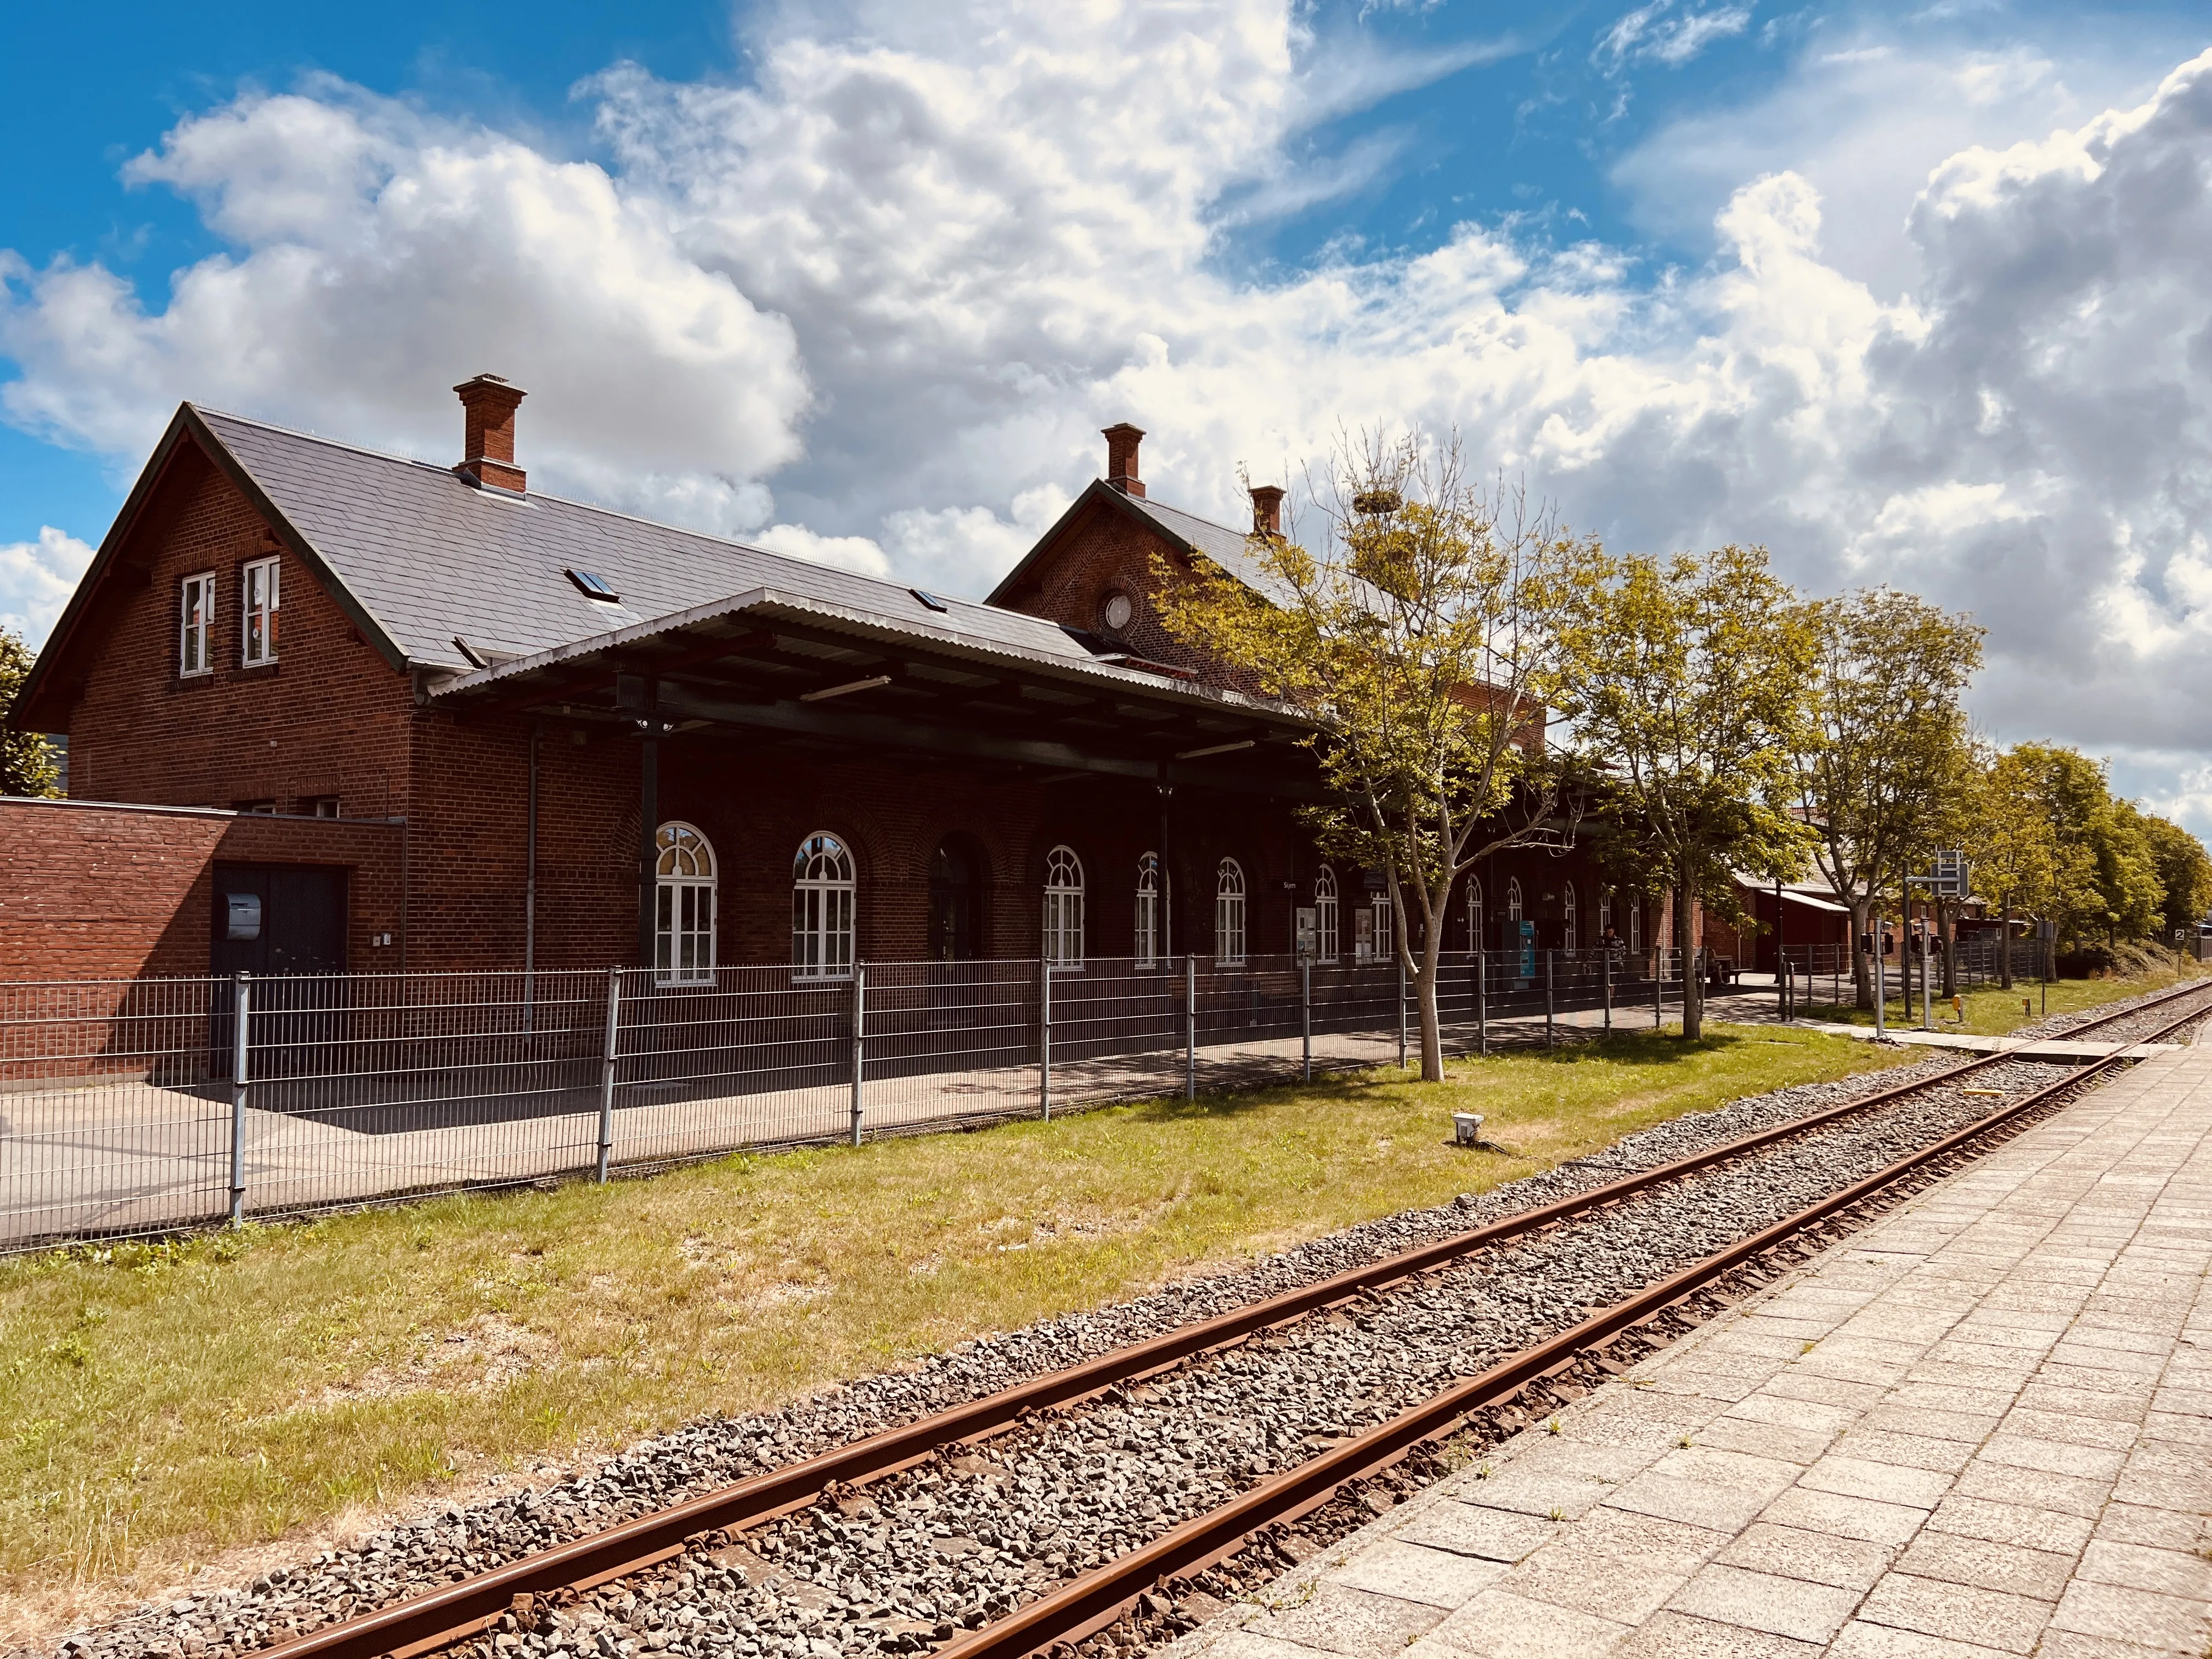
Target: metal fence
x=142, y=1106
x=1823, y=972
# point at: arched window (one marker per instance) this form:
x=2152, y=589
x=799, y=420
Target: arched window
x=1325, y=911
x=1150, y=947
x=1063, y=908
x=684, y=907
x=1513, y=899
x=1228, y=912
x=1604, y=913
x=822, y=907
x=1636, y=924
x=1473, y=913
x=1567, y=917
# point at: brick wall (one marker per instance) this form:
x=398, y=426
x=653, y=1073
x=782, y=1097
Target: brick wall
x=1106, y=551
x=95, y=891
x=329, y=717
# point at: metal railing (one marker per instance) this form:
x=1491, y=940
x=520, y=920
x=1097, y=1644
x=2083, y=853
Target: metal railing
x=144, y=1106
x=1823, y=972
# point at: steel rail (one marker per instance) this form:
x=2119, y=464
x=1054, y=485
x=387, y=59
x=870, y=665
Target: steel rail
x=1094, y=1600
x=442, y=1617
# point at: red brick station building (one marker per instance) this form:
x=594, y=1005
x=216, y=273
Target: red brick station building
x=426, y=718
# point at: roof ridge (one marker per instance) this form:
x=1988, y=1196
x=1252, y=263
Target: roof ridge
x=1185, y=513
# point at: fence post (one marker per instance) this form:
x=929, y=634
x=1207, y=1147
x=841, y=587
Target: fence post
x=1881, y=985
x=1044, y=1036
x=1608, y=987
x=860, y=1041
x=607, y=1072
x=1190, y=1026
x=1550, y=957
x=1658, y=987
x=1305, y=1015
x=241, y=1011
x=1401, y=1013
x=1481, y=999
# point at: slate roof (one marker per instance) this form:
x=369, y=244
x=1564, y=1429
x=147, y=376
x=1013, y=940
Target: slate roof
x=428, y=556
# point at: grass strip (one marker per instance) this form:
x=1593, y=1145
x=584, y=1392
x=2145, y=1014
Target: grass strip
x=1989, y=1011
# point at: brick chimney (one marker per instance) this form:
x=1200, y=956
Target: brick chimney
x=1267, y=510
x=488, y=441
x=1121, y=443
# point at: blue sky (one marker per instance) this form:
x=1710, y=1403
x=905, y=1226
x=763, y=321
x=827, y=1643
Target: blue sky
x=861, y=281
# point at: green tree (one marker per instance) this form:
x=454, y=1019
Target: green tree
x=2184, y=871
x=2103, y=880
x=1422, y=642
x=2013, y=842
x=1685, y=683
x=2127, y=872
x=26, y=760
x=1886, y=756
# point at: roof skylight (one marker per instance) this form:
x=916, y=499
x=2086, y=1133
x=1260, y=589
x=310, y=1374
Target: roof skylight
x=595, y=588
x=928, y=599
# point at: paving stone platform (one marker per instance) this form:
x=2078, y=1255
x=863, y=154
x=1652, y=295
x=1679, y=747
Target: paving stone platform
x=1983, y=1425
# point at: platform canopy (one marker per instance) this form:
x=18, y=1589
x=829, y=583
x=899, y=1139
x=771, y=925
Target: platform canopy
x=796, y=670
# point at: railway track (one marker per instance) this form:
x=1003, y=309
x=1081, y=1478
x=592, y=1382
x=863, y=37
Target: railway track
x=848, y=1543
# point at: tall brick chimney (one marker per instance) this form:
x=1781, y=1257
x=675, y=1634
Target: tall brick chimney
x=1267, y=510
x=1121, y=441
x=488, y=441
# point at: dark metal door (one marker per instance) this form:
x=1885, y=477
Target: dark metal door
x=285, y=924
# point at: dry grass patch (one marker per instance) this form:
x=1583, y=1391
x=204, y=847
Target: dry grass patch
x=166, y=1402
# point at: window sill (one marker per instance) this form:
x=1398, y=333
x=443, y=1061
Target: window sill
x=258, y=669
x=193, y=681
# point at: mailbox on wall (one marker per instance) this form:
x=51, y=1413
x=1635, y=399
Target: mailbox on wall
x=244, y=910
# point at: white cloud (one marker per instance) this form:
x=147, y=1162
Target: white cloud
x=36, y=580
x=857, y=553
x=1653, y=33
x=881, y=299
x=380, y=258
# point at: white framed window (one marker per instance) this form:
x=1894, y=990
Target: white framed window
x=1150, y=946
x=1567, y=917
x=196, y=624
x=822, y=894
x=1636, y=925
x=1063, y=908
x=1513, y=898
x=1228, y=912
x=683, y=908
x=257, y=601
x=1604, y=913
x=1384, y=947
x=1473, y=913
x=1325, y=911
